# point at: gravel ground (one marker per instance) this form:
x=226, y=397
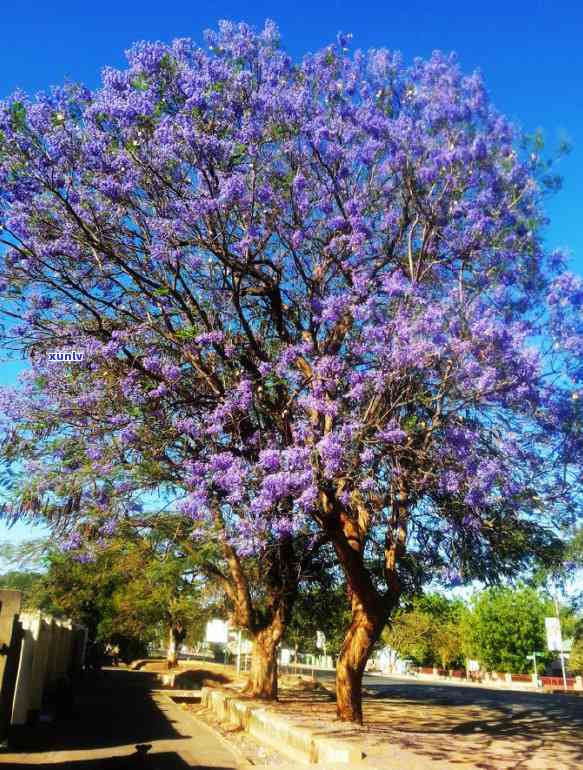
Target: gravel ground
x=254, y=752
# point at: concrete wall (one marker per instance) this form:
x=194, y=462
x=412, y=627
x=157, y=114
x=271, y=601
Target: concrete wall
x=10, y=643
x=51, y=650
x=47, y=650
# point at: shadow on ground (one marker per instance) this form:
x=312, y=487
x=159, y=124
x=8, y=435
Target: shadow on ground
x=457, y=726
x=113, y=708
x=195, y=679
x=487, y=728
x=141, y=760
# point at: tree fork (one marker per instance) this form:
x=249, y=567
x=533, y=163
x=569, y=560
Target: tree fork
x=370, y=610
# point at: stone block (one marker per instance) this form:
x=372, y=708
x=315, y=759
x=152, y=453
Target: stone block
x=294, y=741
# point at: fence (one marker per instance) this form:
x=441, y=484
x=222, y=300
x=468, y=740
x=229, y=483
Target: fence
x=503, y=679
x=557, y=681
x=37, y=654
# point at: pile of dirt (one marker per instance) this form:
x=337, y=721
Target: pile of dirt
x=192, y=676
x=299, y=683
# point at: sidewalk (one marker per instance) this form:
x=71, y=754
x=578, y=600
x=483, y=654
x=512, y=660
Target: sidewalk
x=119, y=724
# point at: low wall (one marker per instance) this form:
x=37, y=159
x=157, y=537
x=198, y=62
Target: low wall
x=270, y=728
x=44, y=651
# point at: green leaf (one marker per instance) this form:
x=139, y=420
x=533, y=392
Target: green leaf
x=239, y=151
x=18, y=115
x=140, y=83
x=187, y=333
x=279, y=131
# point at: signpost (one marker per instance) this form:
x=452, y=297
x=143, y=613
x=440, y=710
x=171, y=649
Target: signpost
x=533, y=658
x=553, y=628
x=555, y=641
x=217, y=631
x=239, y=651
x=321, y=645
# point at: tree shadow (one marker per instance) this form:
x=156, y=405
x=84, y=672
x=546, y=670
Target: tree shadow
x=194, y=679
x=140, y=760
x=455, y=725
x=113, y=708
x=489, y=728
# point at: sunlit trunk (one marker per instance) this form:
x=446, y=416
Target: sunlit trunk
x=262, y=681
x=359, y=641
x=370, y=610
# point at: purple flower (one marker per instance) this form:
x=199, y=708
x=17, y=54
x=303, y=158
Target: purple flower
x=393, y=434
x=128, y=436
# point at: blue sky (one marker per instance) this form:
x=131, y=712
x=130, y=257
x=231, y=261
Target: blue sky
x=530, y=54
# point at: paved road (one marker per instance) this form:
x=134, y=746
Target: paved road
x=120, y=724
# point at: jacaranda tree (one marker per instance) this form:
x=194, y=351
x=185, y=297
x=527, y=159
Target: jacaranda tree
x=331, y=276
x=97, y=487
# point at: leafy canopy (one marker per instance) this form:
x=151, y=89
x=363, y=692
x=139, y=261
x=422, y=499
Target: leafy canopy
x=309, y=295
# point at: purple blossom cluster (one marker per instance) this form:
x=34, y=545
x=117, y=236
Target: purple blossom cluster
x=293, y=280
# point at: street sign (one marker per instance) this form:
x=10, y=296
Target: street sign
x=285, y=656
x=217, y=631
x=553, y=628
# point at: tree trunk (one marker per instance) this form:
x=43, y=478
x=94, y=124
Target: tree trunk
x=262, y=681
x=175, y=637
x=364, y=631
x=370, y=610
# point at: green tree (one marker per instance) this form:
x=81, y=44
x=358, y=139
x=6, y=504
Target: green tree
x=409, y=634
x=429, y=631
x=134, y=589
x=446, y=642
x=163, y=591
x=575, y=663
x=319, y=608
x=504, y=626
x=23, y=569
x=574, y=552
x=27, y=582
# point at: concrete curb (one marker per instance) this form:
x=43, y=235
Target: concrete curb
x=240, y=758
x=297, y=743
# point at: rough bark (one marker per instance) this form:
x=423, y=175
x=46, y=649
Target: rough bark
x=262, y=681
x=364, y=631
x=266, y=625
x=175, y=637
x=370, y=608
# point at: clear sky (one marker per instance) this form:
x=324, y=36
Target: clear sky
x=530, y=53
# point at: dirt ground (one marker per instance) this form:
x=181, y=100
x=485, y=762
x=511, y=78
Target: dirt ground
x=431, y=728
